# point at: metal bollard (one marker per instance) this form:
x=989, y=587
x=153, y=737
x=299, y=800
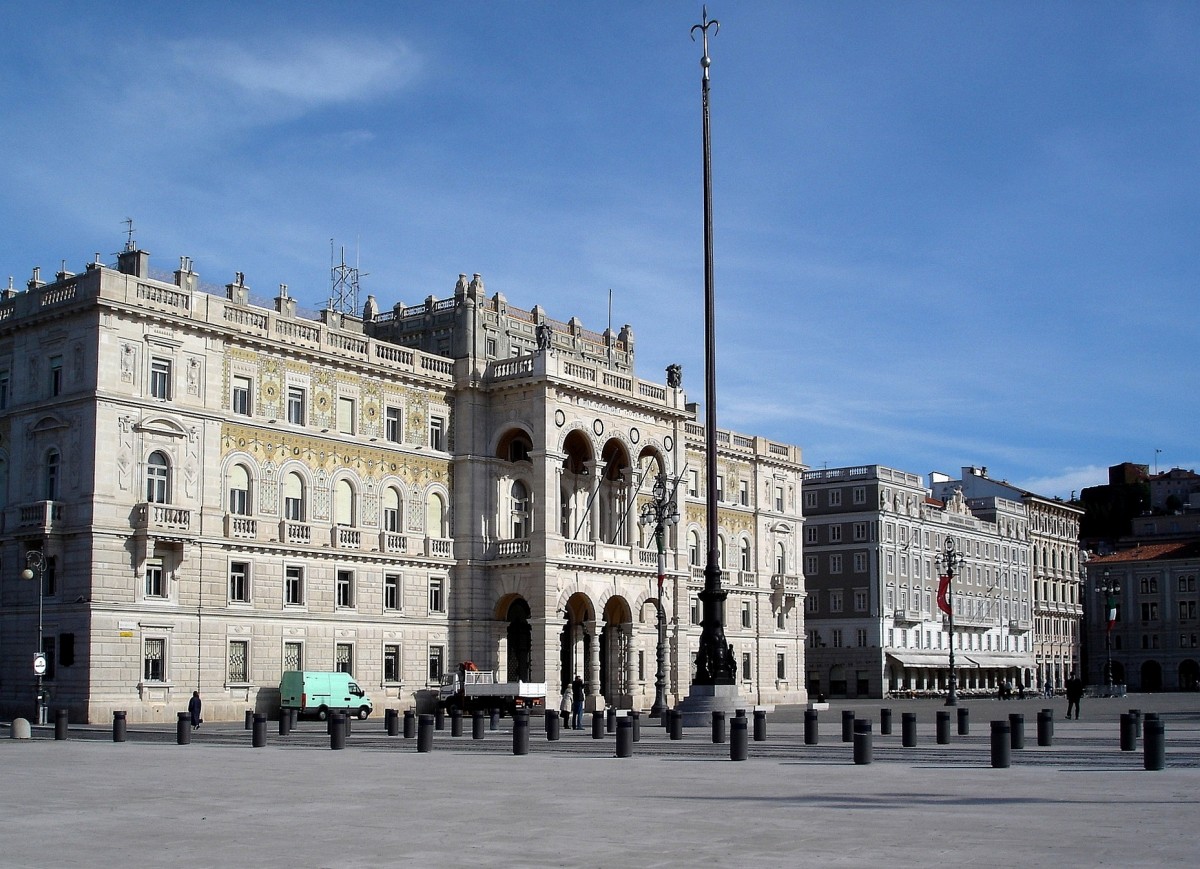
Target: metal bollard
x=285, y=722
x=862, y=741
x=183, y=728
x=293, y=719
x=847, y=725
x=739, y=742
x=520, y=732
x=1137, y=719
x=553, y=725
x=425, y=734
x=439, y=719
x=258, y=736
x=760, y=725
x=1149, y=716
x=908, y=729
x=1050, y=718
x=477, y=724
x=942, y=727
x=60, y=723
x=495, y=722
x=1016, y=726
x=456, y=722
x=337, y=731
x=964, y=721
x=610, y=719
x=1155, y=747
x=718, y=726
x=885, y=722
x=597, y=725
x=1001, y=745
x=410, y=724
x=637, y=725
x=624, y=737
x=391, y=722
x=1045, y=729
x=676, y=724
x=1128, y=732
x=118, y=726
x=810, y=727
x=249, y=719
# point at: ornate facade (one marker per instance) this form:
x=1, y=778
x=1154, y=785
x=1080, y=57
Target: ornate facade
x=221, y=491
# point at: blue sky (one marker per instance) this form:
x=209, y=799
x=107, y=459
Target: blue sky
x=946, y=233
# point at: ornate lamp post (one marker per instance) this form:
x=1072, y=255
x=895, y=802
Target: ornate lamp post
x=660, y=512
x=949, y=559
x=35, y=567
x=1110, y=587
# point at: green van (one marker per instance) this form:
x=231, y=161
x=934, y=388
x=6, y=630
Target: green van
x=319, y=694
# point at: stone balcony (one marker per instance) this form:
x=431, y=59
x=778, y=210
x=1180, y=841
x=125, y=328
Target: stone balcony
x=241, y=527
x=40, y=517
x=165, y=521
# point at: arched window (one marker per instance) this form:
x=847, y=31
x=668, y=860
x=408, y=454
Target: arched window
x=694, y=549
x=520, y=510
x=293, y=498
x=239, y=490
x=780, y=559
x=53, y=460
x=746, y=557
x=392, y=519
x=158, y=478
x=721, y=560
x=437, y=522
x=343, y=503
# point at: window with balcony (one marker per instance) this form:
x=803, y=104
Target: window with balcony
x=437, y=517
x=780, y=558
x=239, y=400
x=746, y=556
x=694, y=549
x=160, y=378
x=158, y=478
x=392, y=518
x=239, y=490
x=239, y=582
x=297, y=405
x=519, y=520
x=293, y=498
x=344, y=503
x=52, y=470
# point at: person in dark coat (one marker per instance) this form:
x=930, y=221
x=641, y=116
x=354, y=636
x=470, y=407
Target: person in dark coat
x=577, y=696
x=1074, y=694
x=194, y=707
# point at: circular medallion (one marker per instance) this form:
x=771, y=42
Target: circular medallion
x=560, y=418
x=598, y=426
x=668, y=443
x=634, y=435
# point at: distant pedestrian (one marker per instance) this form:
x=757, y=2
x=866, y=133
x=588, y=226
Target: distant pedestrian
x=1021, y=690
x=564, y=705
x=194, y=707
x=577, y=695
x=1074, y=694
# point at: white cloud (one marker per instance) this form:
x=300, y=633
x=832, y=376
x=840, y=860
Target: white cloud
x=1070, y=480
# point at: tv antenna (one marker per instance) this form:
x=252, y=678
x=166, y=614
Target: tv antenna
x=343, y=282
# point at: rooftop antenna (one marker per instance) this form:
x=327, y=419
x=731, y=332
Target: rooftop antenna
x=129, y=245
x=343, y=280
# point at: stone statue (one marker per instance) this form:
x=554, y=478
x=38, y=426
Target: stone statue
x=674, y=376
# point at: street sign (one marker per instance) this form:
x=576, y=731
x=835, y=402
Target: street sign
x=39, y=664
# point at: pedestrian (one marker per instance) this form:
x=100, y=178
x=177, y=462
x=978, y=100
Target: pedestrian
x=194, y=707
x=564, y=705
x=577, y=703
x=1074, y=694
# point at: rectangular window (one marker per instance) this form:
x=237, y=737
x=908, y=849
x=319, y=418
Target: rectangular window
x=156, y=584
x=837, y=638
x=491, y=348
x=860, y=531
x=746, y=623
x=860, y=600
x=160, y=378
x=437, y=594
x=343, y=658
x=781, y=620
x=1149, y=611
x=835, y=563
x=293, y=656
x=859, y=495
x=860, y=562
x=810, y=500
x=810, y=565
x=392, y=430
x=720, y=487
x=862, y=638
x=239, y=670
x=239, y=582
x=391, y=591
x=812, y=603
x=695, y=610
x=780, y=666
x=345, y=415
x=436, y=654
x=693, y=482
x=154, y=659
x=56, y=375
x=835, y=497
x=835, y=601
x=345, y=589
x=835, y=533
x=814, y=639
x=239, y=401
x=437, y=433
x=293, y=585
x=5, y=387
x=297, y=401
x=391, y=663
x=810, y=534
x=779, y=499
x=744, y=493
x=49, y=576
x=746, y=667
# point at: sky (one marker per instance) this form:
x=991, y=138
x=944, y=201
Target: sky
x=945, y=233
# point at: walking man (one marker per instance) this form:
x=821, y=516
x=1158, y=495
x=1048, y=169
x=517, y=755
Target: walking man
x=577, y=703
x=1074, y=694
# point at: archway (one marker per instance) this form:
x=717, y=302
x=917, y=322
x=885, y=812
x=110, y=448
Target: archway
x=1151, y=676
x=520, y=642
x=575, y=488
x=616, y=653
x=575, y=647
x=1189, y=676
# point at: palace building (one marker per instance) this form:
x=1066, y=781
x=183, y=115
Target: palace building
x=218, y=490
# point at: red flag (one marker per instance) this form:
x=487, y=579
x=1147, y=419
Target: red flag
x=944, y=595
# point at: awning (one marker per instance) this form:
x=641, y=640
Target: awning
x=1001, y=662
x=928, y=660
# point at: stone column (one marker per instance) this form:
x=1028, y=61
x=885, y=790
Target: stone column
x=595, y=700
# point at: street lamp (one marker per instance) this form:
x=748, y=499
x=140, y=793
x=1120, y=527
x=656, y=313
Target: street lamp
x=660, y=512
x=949, y=559
x=1110, y=587
x=35, y=567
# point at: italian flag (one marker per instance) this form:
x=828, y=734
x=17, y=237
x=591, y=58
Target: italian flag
x=1112, y=611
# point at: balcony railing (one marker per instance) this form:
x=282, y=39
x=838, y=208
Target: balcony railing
x=512, y=548
x=41, y=516
x=438, y=547
x=163, y=520
x=785, y=581
x=344, y=537
x=907, y=616
x=241, y=527
x=295, y=533
x=582, y=549
x=1020, y=626
x=390, y=541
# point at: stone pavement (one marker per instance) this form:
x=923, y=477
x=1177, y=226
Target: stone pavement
x=296, y=803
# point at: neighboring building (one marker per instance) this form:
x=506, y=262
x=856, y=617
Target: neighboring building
x=873, y=540
x=1155, y=642
x=1057, y=567
x=223, y=491
x=1174, y=491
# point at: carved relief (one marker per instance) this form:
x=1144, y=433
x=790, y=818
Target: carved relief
x=193, y=376
x=128, y=362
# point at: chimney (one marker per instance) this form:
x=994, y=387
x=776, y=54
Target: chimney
x=284, y=303
x=238, y=292
x=36, y=281
x=185, y=278
x=132, y=261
